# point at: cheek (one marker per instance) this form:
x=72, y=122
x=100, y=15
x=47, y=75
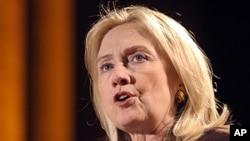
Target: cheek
x=153, y=80
x=104, y=92
x=154, y=84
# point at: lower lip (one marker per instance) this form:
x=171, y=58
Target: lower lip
x=126, y=103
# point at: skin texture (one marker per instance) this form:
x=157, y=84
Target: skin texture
x=128, y=63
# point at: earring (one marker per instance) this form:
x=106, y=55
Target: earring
x=180, y=96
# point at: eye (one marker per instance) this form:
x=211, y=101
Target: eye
x=106, y=67
x=139, y=58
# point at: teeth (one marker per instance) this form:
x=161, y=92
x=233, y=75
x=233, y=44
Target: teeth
x=122, y=97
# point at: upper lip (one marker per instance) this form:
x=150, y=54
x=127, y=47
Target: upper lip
x=117, y=95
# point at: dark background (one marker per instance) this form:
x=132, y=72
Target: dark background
x=221, y=29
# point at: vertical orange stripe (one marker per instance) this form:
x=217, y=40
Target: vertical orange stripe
x=53, y=87
x=12, y=70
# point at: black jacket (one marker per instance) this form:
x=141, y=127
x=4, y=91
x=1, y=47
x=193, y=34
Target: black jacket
x=216, y=135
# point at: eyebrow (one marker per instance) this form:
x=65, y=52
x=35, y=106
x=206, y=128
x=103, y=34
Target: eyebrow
x=105, y=58
x=126, y=52
x=134, y=49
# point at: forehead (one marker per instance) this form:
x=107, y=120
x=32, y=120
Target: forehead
x=125, y=35
x=130, y=27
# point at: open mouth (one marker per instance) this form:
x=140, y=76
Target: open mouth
x=122, y=96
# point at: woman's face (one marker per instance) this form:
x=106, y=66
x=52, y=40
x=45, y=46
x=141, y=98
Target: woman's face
x=135, y=84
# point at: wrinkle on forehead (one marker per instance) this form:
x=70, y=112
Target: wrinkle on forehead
x=135, y=33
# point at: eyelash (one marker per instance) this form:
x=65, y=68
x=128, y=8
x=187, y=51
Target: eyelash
x=142, y=57
x=106, y=65
x=133, y=59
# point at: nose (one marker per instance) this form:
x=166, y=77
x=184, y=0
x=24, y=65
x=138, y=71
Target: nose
x=121, y=76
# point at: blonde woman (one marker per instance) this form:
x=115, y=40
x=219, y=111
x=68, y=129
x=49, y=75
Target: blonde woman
x=150, y=80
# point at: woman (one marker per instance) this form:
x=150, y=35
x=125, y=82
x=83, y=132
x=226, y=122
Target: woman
x=150, y=80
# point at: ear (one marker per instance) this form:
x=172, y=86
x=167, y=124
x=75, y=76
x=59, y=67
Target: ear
x=180, y=94
x=181, y=87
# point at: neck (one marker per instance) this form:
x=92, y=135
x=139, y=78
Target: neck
x=158, y=135
x=147, y=138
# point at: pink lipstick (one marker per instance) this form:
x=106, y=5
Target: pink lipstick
x=123, y=99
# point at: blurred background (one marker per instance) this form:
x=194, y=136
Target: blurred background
x=44, y=87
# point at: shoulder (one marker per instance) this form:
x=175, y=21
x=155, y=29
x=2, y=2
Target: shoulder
x=219, y=134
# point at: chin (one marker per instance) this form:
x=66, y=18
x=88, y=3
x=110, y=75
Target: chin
x=133, y=124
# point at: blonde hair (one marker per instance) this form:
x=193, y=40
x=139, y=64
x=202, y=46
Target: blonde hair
x=200, y=113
